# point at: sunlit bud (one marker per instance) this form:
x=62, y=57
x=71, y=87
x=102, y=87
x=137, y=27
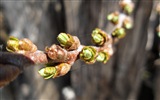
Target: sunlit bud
x=55, y=71
x=15, y=45
x=128, y=23
x=113, y=17
x=98, y=36
x=102, y=57
x=47, y=72
x=88, y=54
x=119, y=33
x=65, y=40
x=12, y=44
x=127, y=6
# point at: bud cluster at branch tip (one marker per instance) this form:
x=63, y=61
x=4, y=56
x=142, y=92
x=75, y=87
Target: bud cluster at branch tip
x=54, y=71
x=59, y=58
x=16, y=45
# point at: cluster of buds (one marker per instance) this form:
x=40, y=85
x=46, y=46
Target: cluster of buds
x=27, y=48
x=23, y=45
x=60, y=58
x=122, y=21
x=55, y=71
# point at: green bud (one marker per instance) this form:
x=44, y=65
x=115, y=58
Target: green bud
x=47, y=72
x=102, y=57
x=65, y=40
x=12, y=44
x=119, y=33
x=98, y=36
x=128, y=9
x=110, y=17
x=113, y=17
x=128, y=25
x=88, y=54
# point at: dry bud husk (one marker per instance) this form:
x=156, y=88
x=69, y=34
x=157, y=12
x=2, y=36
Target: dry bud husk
x=27, y=45
x=62, y=69
x=56, y=53
x=75, y=44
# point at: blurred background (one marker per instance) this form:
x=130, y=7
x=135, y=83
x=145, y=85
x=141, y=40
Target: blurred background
x=132, y=73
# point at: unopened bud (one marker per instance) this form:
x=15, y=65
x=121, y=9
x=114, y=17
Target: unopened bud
x=127, y=6
x=47, y=72
x=119, y=33
x=12, y=44
x=102, y=57
x=113, y=17
x=88, y=54
x=128, y=23
x=65, y=40
x=98, y=36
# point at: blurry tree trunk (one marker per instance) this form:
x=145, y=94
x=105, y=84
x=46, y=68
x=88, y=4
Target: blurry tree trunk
x=119, y=79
